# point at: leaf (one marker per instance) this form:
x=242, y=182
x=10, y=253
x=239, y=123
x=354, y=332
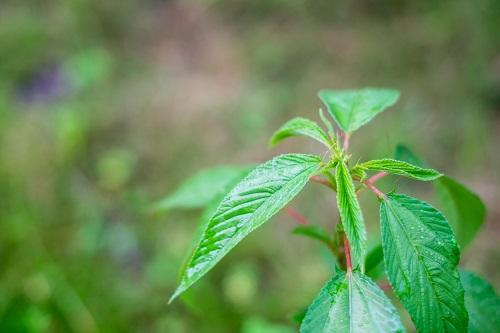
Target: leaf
x=373, y=262
x=201, y=225
x=351, y=303
x=401, y=168
x=463, y=208
x=198, y=190
x=350, y=213
x=351, y=109
x=252, y=202
x=314, y=232
x=327, y=124
x=403, y=153
x=421, y=257
x=482, y=302
x=301, y=126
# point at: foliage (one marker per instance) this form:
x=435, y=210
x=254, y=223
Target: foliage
x=418, y=246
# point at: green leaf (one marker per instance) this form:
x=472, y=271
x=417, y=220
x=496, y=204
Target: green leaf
x=482, y=302
x=374, y=262
x=350, y=213
x=401, y=168
x=313, y=231
x=301, y=126
x=198, y=190
x=404, y=153
x=351, y=109
x=463, y=208
x=328, y=125
x=252, y=202
x=351, y=303
x=421, y=257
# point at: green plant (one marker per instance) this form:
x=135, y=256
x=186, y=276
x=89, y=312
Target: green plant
x=418, y=247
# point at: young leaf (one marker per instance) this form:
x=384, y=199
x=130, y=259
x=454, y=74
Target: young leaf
x=327, y=124
x=301, y=126
x=421, y=257
x=351, y=109
x=350, y=213
x=403, y=153
x=252, y=202
x=198, y=190
x=482, y=302
x=351, y=303
x=463, y=208
x=401, y=168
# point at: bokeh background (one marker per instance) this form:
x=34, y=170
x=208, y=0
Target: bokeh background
x=105, y=106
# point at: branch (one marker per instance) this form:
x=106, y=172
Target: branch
x=375, y=190
x=345, y=145
x=377, y=176
x=296, y=216
x=347, y=252
x=320, y=180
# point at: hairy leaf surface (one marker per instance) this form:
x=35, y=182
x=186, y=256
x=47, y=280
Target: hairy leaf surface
x=463, y=208
x=350, y=213
x=198, y=190
x=351, y=109
x=351, y=303
x=301, y=126
x=482, y=302
x=252, y=202
x=401, y=168
x=421, y=257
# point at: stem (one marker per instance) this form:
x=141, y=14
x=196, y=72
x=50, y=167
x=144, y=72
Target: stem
x=377, y=176
x=320, y=180
x=347, y=252
x=375, y=190
x=345, y=145
x=296, y=216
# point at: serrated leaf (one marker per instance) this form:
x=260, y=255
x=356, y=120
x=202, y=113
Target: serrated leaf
x=313, y=231
x=301, y=126
x=253, y=201
x=482, y=302
x=421, y=257
x=201, y=188
x=350, y=213
x=463, y=208
x=404, y=153
x=351, y=303
x=351, y=109
x=401, y=168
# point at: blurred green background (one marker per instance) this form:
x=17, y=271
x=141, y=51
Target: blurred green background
x=105, y=106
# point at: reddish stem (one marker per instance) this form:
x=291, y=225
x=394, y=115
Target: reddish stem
x=320, y=180
x=345, y=146
x=377, y=176
x=296, y=216
x=347, y=252
x=375, y=190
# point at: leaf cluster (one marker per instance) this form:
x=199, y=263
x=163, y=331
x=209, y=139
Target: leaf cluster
x=419, y=247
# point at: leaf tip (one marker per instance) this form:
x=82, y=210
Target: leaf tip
x=176, y=294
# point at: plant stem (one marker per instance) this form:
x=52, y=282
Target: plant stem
x=375, y=190
x=320, y=180
x=345, y=145
x=377, y=176
x=347, y=252
x=296, y=216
